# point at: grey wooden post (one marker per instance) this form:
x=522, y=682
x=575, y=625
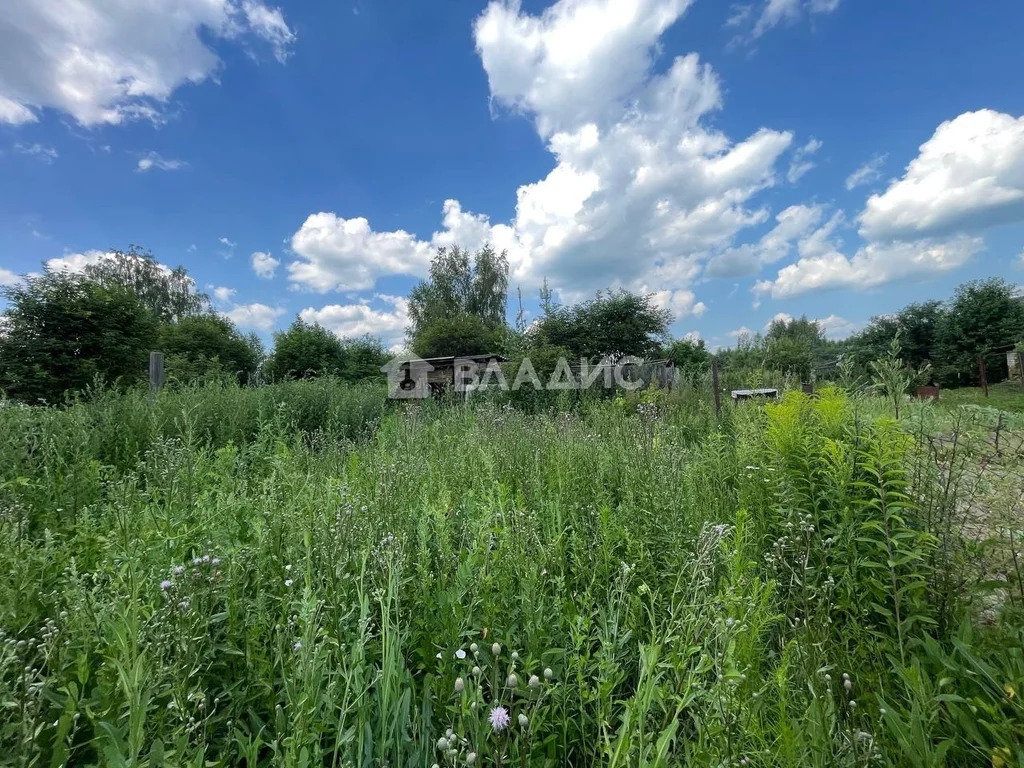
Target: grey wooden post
x=156, y=372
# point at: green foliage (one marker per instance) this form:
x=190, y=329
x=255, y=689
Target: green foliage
x=613, y=324
x=204, y=345
x=301, y=575
x=891, y=378
x=459, y=335
x=169, y=294
x=461, y=301
x=984, y=315
x=308, y=350
x=691, y=357
x=63, y=332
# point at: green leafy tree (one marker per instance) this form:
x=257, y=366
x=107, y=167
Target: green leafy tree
x=307, y=350
x=458, y=285
x=984, y=316
x=170, y=294
x=690, y=356
x=204, y=345
x=460, y=335
x=63, y=331
x=793, y=345
x=613, y=324
x=918, y=326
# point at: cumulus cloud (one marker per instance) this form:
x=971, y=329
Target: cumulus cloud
x=254, y=316
x=641, y=190
x=264, y=265
x=222, y=293
x=795, y=223
x=7, y=277
x=802, y=162
x=968, y=176
x=868, y=173
x=121, y=59
x=76, y=262
x=40, y=151
x=872, y=265
x=337, y=254
x=154, y=160
x=351, y=320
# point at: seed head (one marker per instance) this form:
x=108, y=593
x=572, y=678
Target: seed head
x=496, y=649
x=548, y=674
x=523, y=721
x=534, y=681
x=460, y=685
x=512, y=681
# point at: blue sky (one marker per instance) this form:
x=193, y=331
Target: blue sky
x=822, y=157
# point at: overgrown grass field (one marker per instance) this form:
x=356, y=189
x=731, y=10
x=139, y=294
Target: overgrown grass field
x=303, y=575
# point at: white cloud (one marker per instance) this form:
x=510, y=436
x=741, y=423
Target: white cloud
x=641, y=191
x=121, y=59
x=868, y=173
x=351, y=320
x=968, y=176
x=44, y=153
x=154, y=160
x=576, y=62
x=1020, y=259
x=794, y=224
x=222, y=293
x=837, y=327
x=225, y=241
x=254, y=316
x=740, y=333
x=774, y=13
x=264, y=265
x=871, y=266
x=346, y=255
x=801, y=162
x=7, y=277
x=76, y=262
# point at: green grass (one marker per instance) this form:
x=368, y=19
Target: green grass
x=304, y=575
x=1006, y=396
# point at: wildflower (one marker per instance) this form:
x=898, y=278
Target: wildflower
x=515, y=656
x=512, y=681
x=460, y=685
x=288, y=567
x=496, y=649
x=534, y=681
x=438, y=655
x=523, y=720
x=460, y=654
x=548, y=673
x=848, y=686
x=442, y=743
x=471, y=758
x=206, y=559
x=288, y=582
x=498, y=718
x=215, y=562
x=165, y=585
x=473, y=647
x=297, y=646
x=183, y=605
x=197, y=561
x=476, y=670
x=179, y=569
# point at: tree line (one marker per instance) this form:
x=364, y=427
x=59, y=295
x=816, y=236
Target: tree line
x=63, y=332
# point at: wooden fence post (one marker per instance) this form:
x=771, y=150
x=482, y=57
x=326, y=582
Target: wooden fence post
x=983, y=372
x=156, y=372
x=716, y=385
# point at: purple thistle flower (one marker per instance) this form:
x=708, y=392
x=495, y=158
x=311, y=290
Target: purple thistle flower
x=499, y=718
x=165, y=585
